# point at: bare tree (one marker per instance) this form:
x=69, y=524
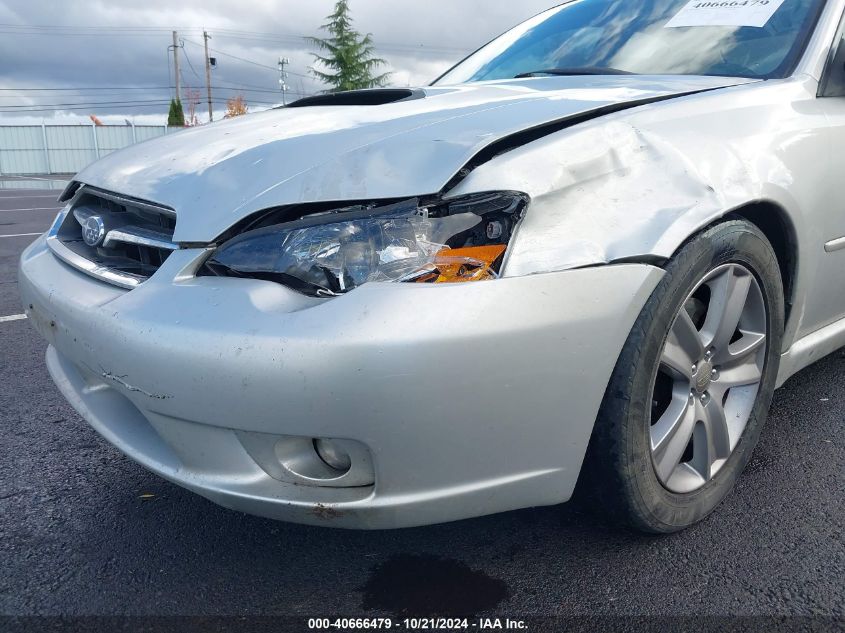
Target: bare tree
x=236, y=106
x=192, y=99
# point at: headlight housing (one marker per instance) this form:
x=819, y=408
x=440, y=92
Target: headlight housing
x=413, y=241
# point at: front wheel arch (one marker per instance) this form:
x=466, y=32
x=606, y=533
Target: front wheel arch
x=775, y=222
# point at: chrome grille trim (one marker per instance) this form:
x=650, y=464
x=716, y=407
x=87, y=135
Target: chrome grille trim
x=133, y=247
x=139, y=235
x=116, y=278
x=125, y=200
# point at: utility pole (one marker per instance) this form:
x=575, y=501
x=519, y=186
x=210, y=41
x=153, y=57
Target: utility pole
x=283, y=61
x=176, y=67
x=206, y=37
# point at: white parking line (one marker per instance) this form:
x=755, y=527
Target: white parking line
x=33, y=209
x=12, y=317
x=21, y=235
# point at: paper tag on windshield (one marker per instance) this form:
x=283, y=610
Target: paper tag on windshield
x=725, y=13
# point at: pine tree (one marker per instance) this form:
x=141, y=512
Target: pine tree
x=348, y=54
x=176, y=116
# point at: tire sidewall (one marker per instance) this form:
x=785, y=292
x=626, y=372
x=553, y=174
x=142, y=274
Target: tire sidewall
x=732, y=242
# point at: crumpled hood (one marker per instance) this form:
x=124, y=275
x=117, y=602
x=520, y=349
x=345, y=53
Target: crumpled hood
x=216, y=175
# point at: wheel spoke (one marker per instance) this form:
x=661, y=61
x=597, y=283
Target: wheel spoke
x=729, y=293
x=747, y=373
x=683, y=346
x=668, y=422
x=670, y=437
x=714, y=441
x=749, y=344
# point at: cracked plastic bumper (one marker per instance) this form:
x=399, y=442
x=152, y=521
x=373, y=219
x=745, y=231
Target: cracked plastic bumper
x=472, y=399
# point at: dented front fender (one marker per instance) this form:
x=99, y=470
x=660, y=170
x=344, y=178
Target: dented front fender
x=638, y=184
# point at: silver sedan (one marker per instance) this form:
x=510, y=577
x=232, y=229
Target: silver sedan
x=588, y=253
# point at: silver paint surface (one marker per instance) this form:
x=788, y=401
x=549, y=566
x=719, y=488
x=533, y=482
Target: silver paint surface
x=473, y=398
x=174, y=370
x=215, y=175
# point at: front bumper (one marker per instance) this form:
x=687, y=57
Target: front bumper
x=472, y=399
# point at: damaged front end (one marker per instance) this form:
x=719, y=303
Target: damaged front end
x=330, y=252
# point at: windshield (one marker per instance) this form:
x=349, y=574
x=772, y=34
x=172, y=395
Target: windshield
x=735, y=38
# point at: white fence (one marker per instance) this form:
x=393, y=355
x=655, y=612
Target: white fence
x=65, y=149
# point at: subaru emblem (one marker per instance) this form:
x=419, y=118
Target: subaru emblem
x=93, y=230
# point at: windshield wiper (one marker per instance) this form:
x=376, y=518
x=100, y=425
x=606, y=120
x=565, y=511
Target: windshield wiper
x=584, y=70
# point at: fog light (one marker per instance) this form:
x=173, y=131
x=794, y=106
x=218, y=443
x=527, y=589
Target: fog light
x=310, y=461
x=333, y=455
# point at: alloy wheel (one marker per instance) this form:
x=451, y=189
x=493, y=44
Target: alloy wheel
x=707, y=381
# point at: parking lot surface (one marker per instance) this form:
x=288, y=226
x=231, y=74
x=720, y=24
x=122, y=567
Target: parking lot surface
x=86, y=531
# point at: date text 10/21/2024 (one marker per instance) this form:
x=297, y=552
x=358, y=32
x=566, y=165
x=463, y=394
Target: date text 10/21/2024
x=416, y=624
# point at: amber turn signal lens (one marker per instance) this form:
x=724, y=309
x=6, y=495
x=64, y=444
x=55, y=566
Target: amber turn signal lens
x=457, y=265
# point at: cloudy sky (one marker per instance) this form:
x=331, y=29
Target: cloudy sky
x=65, y=59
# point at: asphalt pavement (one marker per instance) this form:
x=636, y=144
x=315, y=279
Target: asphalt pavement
x=86, y=531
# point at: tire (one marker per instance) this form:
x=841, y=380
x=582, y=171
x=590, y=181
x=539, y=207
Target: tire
x=628, y=465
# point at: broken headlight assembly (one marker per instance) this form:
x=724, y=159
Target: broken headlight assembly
x=332, y=252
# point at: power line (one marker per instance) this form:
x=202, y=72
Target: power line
x=187, y=57
x=88, y=94
x=232, y=33
x=156, y=100
x=89, y=107
x=242, y=59
x=378, y=44
x=107, y=31
x=243, y=89
x=83, y=34
x=83, y=107
x=106, y=93
x=95, y=27
x=241, y=84
x=81, y=103
x=88, y=88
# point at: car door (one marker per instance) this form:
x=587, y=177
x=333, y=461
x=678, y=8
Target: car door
x=826, y=298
